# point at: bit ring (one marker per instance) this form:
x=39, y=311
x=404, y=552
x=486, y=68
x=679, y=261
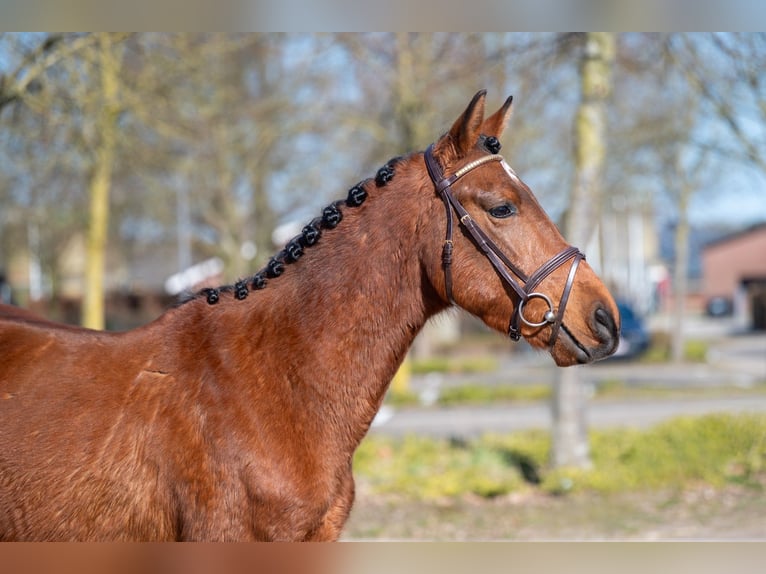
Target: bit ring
x=548, y=317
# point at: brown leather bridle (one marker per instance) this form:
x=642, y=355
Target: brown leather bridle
x=499, y=260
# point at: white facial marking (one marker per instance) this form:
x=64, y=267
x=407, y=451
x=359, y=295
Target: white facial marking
x=510, y=172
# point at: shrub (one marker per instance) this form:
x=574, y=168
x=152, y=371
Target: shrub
x=712, y=450
x=659, y=350
x=430, y=469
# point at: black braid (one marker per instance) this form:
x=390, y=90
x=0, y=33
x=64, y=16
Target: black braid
x=384, y=175
x=310, y=234
x=259, y=281
x=275, y=267
x=331, y=216
x=356, y=196
x=492, y=144
x=212, y=295
x=293, y=251
x=240, y=290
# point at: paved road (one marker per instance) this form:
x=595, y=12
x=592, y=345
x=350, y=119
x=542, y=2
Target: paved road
x=732, y=362
x=473, y=421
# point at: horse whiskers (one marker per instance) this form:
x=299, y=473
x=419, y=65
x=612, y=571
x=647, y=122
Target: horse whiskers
x=331, y=216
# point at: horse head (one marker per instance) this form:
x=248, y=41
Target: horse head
x=506, y=262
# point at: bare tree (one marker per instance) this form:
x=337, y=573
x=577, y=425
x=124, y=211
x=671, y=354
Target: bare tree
x=108, y=59
x=212, y=119
x=570, y=439
x=720, y=76
x=726, y=71
x=43, y=155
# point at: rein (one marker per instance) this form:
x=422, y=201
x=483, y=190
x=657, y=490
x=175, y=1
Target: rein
x=501, y=263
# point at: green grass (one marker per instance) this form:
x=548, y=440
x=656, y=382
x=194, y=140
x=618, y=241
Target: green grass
x=659, y=351
x=613, y=389
x=486, y=394
x=462, y=365
x=425, y=468
x=474, y=394
x=714, y=450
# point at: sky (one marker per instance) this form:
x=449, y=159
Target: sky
x=742, y=204
x=736, y=195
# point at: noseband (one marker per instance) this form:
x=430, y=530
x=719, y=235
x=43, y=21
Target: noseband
x=499, y=260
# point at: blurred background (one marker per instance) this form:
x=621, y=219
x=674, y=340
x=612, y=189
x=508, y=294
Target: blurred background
x=135, y=166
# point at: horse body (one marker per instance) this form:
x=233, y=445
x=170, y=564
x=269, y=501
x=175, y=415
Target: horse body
x=236, y=417
x=233, y=421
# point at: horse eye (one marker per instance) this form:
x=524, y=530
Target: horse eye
x=503, y=211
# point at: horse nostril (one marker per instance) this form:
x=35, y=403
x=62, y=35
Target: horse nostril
x=605, y=324
x=603, y=317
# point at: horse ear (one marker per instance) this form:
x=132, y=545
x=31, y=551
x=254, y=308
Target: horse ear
x=466, y=129
x=495, y=124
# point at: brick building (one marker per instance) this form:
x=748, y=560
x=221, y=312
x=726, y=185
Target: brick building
x=734, y=267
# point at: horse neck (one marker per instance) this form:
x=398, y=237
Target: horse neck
x=333, y=329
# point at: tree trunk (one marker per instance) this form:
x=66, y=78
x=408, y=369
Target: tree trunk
x=570, y=437
x=93, y=304
x=681, y=268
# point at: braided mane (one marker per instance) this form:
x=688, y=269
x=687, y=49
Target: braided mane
x=331, y=216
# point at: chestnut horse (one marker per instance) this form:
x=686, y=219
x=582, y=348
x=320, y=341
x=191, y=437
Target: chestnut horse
x=235, y=415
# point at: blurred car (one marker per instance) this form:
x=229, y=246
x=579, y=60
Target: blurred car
x=634, y=336
x=719, y=307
